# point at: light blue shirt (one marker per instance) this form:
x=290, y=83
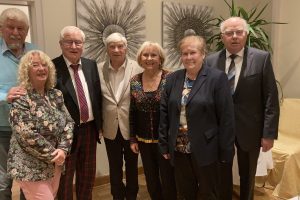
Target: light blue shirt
x=8, y=78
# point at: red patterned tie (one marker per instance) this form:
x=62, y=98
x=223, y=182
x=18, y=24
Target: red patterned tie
x=84, y=111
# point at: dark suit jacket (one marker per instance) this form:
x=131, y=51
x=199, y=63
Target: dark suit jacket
x=255, y=99
x=209, y=113
x=64, y=83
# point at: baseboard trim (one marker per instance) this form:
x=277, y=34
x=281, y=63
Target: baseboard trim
x=101, y=180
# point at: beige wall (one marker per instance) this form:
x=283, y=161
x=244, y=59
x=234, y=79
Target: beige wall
x=286, y=57
x=57, y=14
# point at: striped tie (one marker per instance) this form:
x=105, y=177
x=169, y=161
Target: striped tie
x=84, y=111
x=231, y=73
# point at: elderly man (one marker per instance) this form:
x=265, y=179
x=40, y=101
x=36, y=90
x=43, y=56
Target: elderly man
x=14, y=26
x=254, y=92
x=78, y=79
x=115, y=74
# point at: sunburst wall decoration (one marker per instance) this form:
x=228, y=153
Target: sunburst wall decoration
x=178, y=19
x=99, y=18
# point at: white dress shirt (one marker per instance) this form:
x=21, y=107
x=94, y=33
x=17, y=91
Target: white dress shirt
x=84, y=85
x=238, y=65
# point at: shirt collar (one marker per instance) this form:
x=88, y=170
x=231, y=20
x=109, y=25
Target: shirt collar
x=123, y=66
x=239, y=54
x=4, y=48
x=68, y=63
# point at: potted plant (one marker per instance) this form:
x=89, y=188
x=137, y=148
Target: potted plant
x=257, y=36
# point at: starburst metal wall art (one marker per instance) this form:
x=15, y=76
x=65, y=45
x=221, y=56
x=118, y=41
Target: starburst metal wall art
x=99, y=18
x=179, y=19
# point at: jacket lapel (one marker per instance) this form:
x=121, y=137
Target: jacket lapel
x=179, y=81
x=88, y=78
x=106, y=79
x=127, y=77
x=246, y=68
x=67, y=81
x=202, y=75
x=222, y=60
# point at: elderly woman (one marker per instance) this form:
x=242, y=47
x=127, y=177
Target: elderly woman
x=196, y=122
x=42, y=129
x=146, y=89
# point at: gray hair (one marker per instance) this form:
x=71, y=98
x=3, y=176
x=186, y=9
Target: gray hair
x=244, y=24
x=115, y=37
x=70, y=29
x=15, y=14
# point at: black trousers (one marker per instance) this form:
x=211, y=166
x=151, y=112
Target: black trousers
x=117, y=150
x=159, y=173
x=195, y=182
x=247, y=164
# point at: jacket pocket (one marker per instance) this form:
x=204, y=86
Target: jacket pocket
x=210, y=134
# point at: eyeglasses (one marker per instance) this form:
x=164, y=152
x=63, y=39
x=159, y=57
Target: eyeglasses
x=231, y=33
x=77, y=43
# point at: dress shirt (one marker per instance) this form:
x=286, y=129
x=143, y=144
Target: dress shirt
x=8, y=78
x=116, y=77
x=84, y=85
x=238, y=64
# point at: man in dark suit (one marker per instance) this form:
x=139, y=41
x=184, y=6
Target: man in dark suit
x=78, y=79
x=196, y=129
x=255, y=99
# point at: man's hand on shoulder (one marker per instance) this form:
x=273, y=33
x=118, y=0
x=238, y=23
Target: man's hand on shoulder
x=15, y=93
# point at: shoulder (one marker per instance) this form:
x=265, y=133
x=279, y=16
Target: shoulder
x=135, y=66
x=87, y=61
x=214, y=73
x=213, y=57
x=58, y=59
x=56, y=95
x=257, y=52
x=136, y=77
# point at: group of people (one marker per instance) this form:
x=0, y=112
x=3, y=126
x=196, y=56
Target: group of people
x=184, y=124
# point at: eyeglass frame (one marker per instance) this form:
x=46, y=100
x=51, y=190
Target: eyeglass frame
x=69, y=43
x=231, y=33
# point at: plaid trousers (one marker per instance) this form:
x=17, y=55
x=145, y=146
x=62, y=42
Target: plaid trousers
x=81, y=160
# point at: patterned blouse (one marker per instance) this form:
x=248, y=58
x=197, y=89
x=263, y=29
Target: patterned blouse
x=144, y=110
x=183, y=144
x=40, y=124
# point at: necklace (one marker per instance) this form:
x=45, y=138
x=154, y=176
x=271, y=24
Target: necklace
x=151, y=83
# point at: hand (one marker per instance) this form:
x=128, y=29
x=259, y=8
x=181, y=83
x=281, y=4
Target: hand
x=15, y=93
x=134, y=147
x=100, y=134
x=59, y=157
x=167, y=156
x=267, y=144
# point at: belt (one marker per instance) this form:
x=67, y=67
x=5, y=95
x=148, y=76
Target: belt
x=83, y=125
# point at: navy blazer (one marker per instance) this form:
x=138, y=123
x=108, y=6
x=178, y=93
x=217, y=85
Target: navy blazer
x=65, y=84
x=209, y=113
x=255, y=99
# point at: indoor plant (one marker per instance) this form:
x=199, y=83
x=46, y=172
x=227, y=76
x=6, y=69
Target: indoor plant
x=257, y=36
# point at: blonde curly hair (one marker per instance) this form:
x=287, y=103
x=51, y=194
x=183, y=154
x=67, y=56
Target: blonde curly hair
x=26, y=63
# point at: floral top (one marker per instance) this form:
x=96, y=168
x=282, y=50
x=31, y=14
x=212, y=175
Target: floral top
x=40, y=124
x=144, y=110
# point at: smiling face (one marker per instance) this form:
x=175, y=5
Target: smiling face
x=72, y=46
x=14, y=33
x=150, y=59
x=192, y=53
x=234, y=35
x=38, y=72
x=116, y=51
